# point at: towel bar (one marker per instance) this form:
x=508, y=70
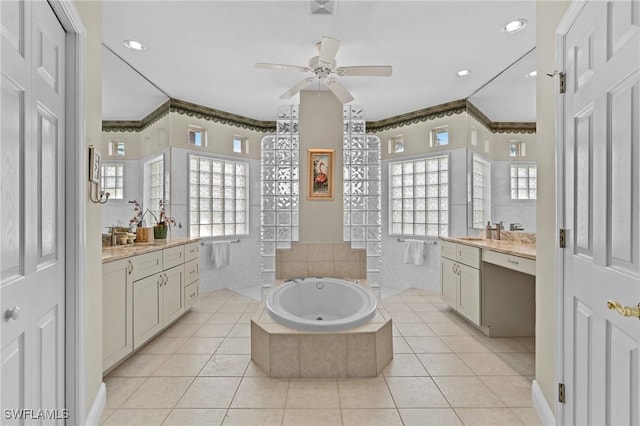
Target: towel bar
x=207, y=243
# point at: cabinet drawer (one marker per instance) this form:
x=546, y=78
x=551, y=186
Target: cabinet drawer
x=191, y=271
x=520, y=264
x=448, y=249
x=173, y=256
x=192, y=251
x=468, y=255
x=191, y=294
x=146, y=264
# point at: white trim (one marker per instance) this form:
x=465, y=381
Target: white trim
x=540, y=405
x=95, y=413
x=563, y=28
x=75, y=221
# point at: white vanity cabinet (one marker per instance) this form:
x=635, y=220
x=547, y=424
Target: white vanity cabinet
x=143, y=294
x=460, y=279
x=117, y=302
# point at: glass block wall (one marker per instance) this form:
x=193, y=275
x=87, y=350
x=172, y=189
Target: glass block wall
x=362, y=188
x=280, y=190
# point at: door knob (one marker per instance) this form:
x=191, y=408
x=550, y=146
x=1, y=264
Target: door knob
x=626, y=311
x=12, y=313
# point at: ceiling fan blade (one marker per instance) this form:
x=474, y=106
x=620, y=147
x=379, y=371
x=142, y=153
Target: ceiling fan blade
x=328, y=50
x=265, y=66
x=365, y=71
x=339, y=90
x=298, y=87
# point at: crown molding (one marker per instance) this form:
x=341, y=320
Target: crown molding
x=136, y=125
x=431, y=113
x=210, y=114
x=191, y=110
x=499, y=126
x=425, y=114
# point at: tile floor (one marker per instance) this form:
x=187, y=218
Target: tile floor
x=444, y=372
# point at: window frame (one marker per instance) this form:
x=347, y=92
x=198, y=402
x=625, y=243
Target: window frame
x=151, y=202
x=434, y=136
x=246, y=210
x=193, y=129
x=486, y=191
x=390, y=197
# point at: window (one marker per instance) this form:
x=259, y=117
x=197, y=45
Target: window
x=116, y=148
x=524, y=182
x=154, y=185
x=240, y=144
x=218, y=197
x=440, y=136
x=396, y=144
x=481, y=192
x=516, y=149
x=419, y=197
x=112, y=180
x=196, y=136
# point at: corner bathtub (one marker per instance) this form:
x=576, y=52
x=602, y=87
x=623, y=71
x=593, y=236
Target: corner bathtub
x=321, y=304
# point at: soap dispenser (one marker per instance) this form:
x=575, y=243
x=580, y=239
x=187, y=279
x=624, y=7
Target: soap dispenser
x=487, y=233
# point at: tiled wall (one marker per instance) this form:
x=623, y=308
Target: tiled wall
x=335, y=260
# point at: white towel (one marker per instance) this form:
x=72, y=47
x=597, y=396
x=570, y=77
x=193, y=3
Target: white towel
x=221, y=253
x=414, y=252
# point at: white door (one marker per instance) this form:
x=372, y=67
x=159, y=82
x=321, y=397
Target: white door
x=602, y=215
x=32, y=215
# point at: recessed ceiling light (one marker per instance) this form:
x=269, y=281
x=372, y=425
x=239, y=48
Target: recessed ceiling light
x=515, y=26
x=133, y=44
x=532, y=74
x=463, y=73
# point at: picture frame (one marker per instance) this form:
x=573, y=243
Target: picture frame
x=320, y=174
x=95, y=163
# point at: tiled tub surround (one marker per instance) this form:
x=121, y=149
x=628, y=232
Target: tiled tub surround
x=283, y=352
x=444, y=372
x=336, y=260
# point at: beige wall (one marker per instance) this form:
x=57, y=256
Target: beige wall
x=321, y=128
x=501, y=143
x=417, y=136
x=91, y=14
x=131, y=145
x=548, y=16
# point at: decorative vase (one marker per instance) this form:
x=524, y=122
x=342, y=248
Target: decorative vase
x=143, y=235
x=160, y=232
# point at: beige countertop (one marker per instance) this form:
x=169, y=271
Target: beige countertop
x=109, y=254
x=514, y=248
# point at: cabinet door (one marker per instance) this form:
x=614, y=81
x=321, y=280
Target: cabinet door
x=117, y=309
x=469, y=299
x=449, y=280
x=192, y=251
x=147, y=319
x=173, y=294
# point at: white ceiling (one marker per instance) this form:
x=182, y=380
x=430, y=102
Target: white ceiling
x=205, y=51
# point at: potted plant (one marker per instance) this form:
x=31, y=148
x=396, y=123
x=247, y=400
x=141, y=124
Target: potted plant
x=137, y=222
x=162, y=223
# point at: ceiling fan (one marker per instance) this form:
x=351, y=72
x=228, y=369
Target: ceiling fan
x=324, y=66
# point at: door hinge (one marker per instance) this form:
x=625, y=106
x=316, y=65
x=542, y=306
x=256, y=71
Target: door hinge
x=562, y=238
x=563, y=82
x=561, y=395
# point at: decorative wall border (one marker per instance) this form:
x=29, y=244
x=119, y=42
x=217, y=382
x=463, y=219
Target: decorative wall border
x=191, y=110
x=136, y=125
x=210, y=114
x=430, y=113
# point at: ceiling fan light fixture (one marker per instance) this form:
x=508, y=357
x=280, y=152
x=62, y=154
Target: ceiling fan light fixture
x=514, y=26
x=134, y=44
x=463, y=73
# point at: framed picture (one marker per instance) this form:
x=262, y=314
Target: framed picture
x=320, y=174
x=94, y=165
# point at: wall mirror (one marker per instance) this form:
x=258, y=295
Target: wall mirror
x=501, y=154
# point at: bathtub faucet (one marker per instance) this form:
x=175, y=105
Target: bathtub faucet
x=296, y=280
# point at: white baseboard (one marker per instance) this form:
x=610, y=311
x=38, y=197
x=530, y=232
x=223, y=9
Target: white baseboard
x=95, y=413
x=545, y=414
